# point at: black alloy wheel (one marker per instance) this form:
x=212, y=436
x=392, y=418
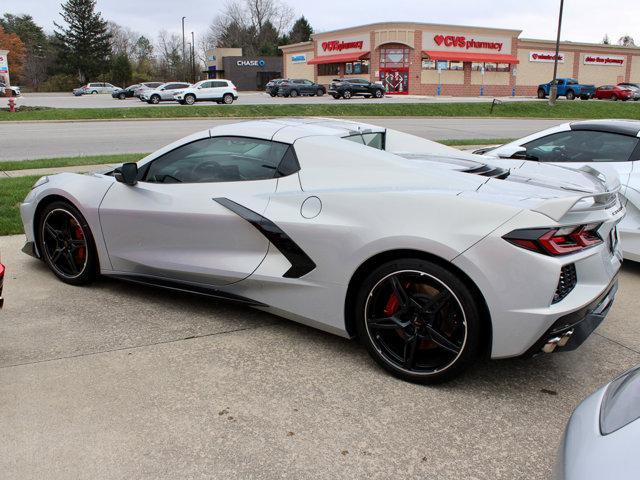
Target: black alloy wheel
x=378, y=93
x=418, y=320
x=347, y=94
x=66, y=244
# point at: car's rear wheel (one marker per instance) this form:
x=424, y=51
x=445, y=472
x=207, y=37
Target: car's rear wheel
x=320, y=92
x=155, y=99
x=227, y=98
x=347, y=94
x=541, y=93
x=571, y=95
x=66, y=243
x=122, y=96
x=94, y=92
x=418, y=320
x=614, y=98
x=293, y=93
x=190, y=99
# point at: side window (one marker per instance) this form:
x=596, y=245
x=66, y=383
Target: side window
x=219, y=159
x=375, y=140
x=355, y=138
x=207, y=85
x=582, y=146
x=219, y=84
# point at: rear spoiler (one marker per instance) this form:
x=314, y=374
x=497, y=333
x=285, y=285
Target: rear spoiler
x=557, y=208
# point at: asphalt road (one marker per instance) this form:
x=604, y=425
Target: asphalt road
x=120, y=381
x=67, y=100
x=27, y=140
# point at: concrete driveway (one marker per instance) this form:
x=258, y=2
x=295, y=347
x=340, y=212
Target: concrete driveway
x=118, y=381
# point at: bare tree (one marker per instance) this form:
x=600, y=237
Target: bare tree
x=169, y=55
x=123, y=39
x=626, y=41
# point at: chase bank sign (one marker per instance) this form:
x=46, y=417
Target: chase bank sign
x=251, y=63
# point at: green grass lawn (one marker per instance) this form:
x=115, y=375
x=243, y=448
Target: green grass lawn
x=12, y=193
x=565, y=109
x=69, y=161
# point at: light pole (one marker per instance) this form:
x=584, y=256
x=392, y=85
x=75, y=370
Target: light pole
x=183, y=38
x=553, y=94
x=193, y=58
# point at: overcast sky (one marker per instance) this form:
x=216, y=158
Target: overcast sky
x=584, y=21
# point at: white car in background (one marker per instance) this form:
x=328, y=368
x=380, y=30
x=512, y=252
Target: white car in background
x=595, y=143
x=14, y=90
x=163, y=93
x=219, y=91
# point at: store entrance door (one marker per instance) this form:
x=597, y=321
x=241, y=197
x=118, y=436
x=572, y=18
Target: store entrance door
x=395, y=80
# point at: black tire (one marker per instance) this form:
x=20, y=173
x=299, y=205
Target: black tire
x=190, y=99
x=155, y=99
x=122, y=96
x=439, y=324
x=541, y=94
x=181, y=102
x=293, y=93
x=94, y=92
x=320, y=92
x=273, y=94
x=84, y=256
x=227, y=99
x=378, y=93
x=347, y=94
x=335, y=96
x=571, y=95
x=614, y=98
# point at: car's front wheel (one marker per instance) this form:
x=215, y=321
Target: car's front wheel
x=320, y=92
x=190, y=99
x=347, y=94
x=122, y=96
x=66, y=243
x=541, y=94
x=155, y=99
x=418, y=320
x=378, y=93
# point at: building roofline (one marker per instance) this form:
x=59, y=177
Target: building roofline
x=295, y=45
x=443, y=25
x=569, y=43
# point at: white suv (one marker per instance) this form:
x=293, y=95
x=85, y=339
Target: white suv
x=219, y=91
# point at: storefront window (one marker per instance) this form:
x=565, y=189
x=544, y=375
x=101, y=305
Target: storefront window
x=442, y=65
x=395, y=57
x=491, y=67
x=329, y=69
x=356, y=68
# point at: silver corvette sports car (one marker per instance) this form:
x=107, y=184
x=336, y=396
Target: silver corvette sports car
x=429, y=256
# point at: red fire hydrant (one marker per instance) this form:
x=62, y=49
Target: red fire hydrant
x=12, y=104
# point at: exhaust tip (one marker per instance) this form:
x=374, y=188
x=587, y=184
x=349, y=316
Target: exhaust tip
x=551, y=345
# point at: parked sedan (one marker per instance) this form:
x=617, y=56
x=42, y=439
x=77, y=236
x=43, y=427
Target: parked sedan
x=123, y=93
x=603, y=434
x=298, y=86
x=617, y=92
x=592, y=143
x=219, y=91
x=163, y=93
x=350, y=87
x=429, y=256
x=272, y=86
x=94, y=88
x=146, y=86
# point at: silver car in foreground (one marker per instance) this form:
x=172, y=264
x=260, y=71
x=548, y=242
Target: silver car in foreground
x=164, y=92
x=603, y=435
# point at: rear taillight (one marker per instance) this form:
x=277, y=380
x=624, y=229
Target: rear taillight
x=556, y=241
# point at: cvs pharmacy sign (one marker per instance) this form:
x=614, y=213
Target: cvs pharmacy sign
x=336, y=45
x=460, y=41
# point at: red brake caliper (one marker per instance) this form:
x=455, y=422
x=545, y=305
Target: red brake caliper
x=81, y=253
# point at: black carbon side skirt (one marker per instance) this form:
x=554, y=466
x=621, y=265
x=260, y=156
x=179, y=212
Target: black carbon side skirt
x=301, y=264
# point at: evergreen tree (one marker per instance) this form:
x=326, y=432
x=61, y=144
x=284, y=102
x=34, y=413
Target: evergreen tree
x=84, y=43
x=301, y=31
x=121, y=70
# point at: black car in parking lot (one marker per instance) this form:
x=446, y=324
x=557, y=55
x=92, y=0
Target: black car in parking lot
x=297, y=86
x=123, y=93
x=272, y=86
x=350, y=87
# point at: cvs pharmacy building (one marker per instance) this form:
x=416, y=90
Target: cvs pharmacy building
x=432, y=59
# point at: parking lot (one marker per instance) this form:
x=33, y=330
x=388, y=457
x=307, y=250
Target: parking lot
x=122, y=381
x=67, y=100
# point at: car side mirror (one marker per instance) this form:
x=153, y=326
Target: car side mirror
x=515, y=151
x=127, y=173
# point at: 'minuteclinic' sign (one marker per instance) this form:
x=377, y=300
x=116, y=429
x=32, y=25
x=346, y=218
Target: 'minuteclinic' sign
x=300, y=58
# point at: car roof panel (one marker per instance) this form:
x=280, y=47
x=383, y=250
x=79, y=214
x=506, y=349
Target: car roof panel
x=622, y=127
